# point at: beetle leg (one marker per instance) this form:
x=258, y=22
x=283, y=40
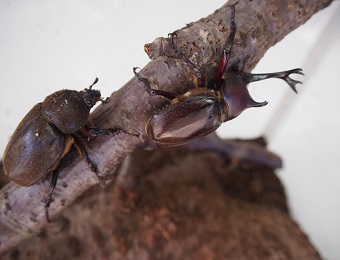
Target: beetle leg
x=226, y=52
x=185, y=58
x=78, y=143
x=53, y=184
x=150, y=90
x=109, y=131
x=284, y=75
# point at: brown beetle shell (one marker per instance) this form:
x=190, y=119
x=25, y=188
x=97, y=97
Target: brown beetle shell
x=35, y=149
x=66, y=110
x=189, y=119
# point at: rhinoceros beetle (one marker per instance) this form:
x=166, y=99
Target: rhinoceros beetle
x=46, y=134
x=202, y=110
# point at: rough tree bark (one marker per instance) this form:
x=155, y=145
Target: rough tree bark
x=176, y=204
x=260, y=24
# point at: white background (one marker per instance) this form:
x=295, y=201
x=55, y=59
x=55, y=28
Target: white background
x=47, y=46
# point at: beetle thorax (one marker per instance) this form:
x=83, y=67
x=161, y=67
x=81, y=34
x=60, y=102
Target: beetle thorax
x=66, y=110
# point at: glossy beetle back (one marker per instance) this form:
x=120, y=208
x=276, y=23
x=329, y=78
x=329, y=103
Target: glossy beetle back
x=67, y=110
x=33, y=149
x=190, y=119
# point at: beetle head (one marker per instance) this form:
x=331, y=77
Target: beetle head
x=236, y=95
x=92, y=96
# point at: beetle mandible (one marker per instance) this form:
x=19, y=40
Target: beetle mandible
x=200, y=111
x=46, y=134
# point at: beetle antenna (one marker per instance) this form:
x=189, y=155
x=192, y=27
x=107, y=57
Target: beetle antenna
x=94, y=82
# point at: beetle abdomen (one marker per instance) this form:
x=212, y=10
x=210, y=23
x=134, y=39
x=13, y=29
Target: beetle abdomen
x=35, y=147
x=190, y=119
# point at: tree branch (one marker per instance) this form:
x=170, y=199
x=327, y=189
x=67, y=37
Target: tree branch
x=260, y=24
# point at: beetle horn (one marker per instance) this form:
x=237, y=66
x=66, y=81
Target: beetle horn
x=253, y=103
x=284, y=75
x=239, y=102
x=237, y=97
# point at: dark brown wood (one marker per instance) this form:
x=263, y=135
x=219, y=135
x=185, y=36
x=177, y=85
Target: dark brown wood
x=176, y=204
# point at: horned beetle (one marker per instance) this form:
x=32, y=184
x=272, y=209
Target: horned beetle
x=202, y=110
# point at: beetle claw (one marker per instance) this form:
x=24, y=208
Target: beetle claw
x=291, y=82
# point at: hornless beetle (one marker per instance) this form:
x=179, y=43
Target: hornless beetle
x=200, y=111
x=46, y=134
